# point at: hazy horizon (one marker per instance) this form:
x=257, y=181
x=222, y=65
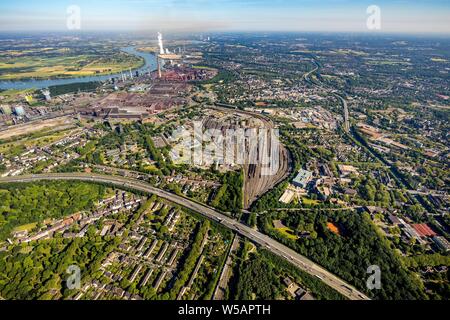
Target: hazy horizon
x=402, y=16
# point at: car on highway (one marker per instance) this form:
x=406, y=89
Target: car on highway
x=347, y=287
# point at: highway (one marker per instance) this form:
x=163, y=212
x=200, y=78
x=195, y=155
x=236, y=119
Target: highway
x=346, y=113
x=308, y=74
x=268, y=243
x=307, y=78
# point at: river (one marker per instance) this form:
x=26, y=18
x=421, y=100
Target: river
x=150, y=65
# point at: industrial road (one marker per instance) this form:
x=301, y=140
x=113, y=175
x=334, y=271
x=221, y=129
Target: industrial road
x=268, y=243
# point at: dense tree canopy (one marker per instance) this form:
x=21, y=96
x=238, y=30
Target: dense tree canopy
x=350, y=253
x=26, y=203
x=229, y=196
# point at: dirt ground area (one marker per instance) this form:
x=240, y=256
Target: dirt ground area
x=35, y=126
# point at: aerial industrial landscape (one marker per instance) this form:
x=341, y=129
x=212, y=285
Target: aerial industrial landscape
x=224, y=166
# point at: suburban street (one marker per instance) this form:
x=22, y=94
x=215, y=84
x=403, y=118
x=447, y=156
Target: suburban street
x=227, y=271
x=270, y=244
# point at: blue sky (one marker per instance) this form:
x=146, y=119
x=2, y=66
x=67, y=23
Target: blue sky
x=416, y=16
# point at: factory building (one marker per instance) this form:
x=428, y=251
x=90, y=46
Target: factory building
x=19, y=111
x=302, y=179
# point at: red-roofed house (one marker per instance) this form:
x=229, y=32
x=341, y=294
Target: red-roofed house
x=424, y=230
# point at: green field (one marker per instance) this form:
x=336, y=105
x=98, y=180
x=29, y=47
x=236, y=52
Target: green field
x=288, y=233
x=309, y=202
x=44, y=66
x=25, y=227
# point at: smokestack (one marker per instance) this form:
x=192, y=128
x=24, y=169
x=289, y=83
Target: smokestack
x=159, y=67
x=160, y=43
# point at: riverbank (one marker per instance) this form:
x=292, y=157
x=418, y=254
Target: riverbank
x=149, y=64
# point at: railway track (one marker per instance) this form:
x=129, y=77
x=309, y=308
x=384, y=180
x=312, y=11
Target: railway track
x=257, y=183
